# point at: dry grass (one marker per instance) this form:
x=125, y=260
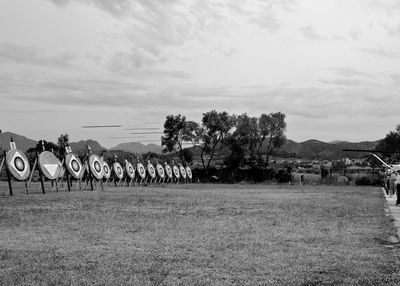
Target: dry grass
x=198, y=235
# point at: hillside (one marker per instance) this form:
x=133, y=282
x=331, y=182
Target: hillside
x=137, y=147
x=22, y=142
x=314, y=149
x=82, y=146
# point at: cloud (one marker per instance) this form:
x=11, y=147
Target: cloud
x=341, y=82
x=380, y=52
x=310, y=33
x=115, y=7
x=350, y=72
x=31, y=55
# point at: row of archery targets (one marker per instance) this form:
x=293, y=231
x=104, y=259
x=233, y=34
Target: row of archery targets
x=71, y=172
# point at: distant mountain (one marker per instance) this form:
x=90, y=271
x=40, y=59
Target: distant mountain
x=22, y=142
x=82, y=146
x=137, y=147
x=314, y=149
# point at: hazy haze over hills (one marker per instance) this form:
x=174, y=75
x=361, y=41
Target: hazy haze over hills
x=310, y=149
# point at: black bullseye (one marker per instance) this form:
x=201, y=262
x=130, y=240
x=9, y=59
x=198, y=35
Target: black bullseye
x=19, y=164
x=75, y=165
x=97, y=166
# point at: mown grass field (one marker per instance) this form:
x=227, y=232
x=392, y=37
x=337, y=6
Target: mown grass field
x=199, y=235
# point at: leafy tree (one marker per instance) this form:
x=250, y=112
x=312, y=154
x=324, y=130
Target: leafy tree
x=247, y=134
x=177, y=130
x=63, y=141
x=391, y=142
x=215, y=127
x=272, y=134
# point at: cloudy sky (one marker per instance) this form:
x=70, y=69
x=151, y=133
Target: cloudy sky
x=332, y=66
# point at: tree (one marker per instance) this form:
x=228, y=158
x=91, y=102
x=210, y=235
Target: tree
x=178, y=130
x=215, y=127
x=247, y=134
x=63, y=141
x=272, y=128
x=391, y=142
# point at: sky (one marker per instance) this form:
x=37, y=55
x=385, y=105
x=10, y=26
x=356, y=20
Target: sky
x=332, y=66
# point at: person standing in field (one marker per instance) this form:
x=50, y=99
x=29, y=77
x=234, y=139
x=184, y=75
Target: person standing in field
x=397, y=183
x=392, y=185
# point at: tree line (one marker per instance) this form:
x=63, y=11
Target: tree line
x=242, y=139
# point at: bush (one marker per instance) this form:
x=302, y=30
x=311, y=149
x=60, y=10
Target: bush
x=367, y=181
x=283, y=175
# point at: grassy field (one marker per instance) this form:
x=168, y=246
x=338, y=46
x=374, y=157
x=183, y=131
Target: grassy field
x=199, y=235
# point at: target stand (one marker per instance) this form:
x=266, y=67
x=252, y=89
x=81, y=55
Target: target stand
x=151, y=171
x=17, y=166
x=141, y=173
x=160, y=173
x=130, y=171
x=183, y=172
x=189, y=174
x=169, y=174
x=177, y=175
x=49, y=167
x=75, y=169
x=107, y=172
x=118, y=173
x=95, y=171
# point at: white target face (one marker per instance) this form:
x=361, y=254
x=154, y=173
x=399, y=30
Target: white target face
x=119, y=172
x=18, y=164
x=141, y=170
x=49, y=165
x=74, y=166
x=96, y=166
x=151, y=170
x=106, y=170
x=183, y=171
x=130, y=170
x=189, y=172
x=168, y=170
x=160, y=171
x=176, y=171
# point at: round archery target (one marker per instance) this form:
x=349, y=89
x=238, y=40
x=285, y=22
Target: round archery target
x=168, y=170
x=74, y=166
x=49, y=165
x=151, y=170
x=118, y=170
x=106, y=170
x=130, y=170
x=183, y=171
x=189, y=172
x=160, y=171
x=18, y=164
x=176, y=171
x=141, y=170
x=96, y=167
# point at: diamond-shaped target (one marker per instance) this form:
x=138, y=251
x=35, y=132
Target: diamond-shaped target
x=176, y=171
x=106, y=169
x=189, y=172
x=183, y=171
x=96, y=167
x=119, y=172
x=141, y=170
x=18, y=164
x=130, y=170
x=150, y=169
x=160, y=171
x=74, y=166
x=168, y=170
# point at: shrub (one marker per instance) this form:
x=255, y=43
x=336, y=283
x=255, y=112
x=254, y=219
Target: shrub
x=367, y=181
